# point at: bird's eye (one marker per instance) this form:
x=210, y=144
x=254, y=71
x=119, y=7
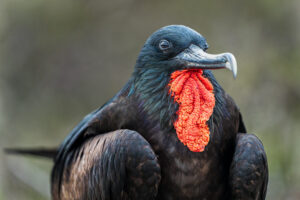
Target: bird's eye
x=164, y=45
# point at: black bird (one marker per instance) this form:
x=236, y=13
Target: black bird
x=170, y=133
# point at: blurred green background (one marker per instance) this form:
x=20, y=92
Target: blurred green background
x=60, y=60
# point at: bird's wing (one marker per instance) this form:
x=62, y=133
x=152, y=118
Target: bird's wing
x=108, y=117
x=249, y=169
x=120, y=112
x=242, y=127
x=115, y=165
x=76, y=133
x=73, y=137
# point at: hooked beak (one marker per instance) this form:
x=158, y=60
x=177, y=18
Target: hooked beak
x=194, y=57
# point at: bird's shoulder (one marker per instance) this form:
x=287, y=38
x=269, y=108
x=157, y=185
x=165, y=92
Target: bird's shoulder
x=105, y=118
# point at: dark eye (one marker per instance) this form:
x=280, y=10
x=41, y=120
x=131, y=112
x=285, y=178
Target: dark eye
x=164, y=45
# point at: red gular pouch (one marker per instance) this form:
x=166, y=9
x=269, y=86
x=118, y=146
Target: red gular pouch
x=194, y=94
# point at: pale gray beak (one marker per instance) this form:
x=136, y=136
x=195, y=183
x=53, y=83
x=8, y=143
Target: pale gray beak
x=195, y=57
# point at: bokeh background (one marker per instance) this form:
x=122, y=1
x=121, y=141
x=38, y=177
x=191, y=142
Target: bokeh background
x=60, y=60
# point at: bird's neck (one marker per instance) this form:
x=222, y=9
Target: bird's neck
x=160, y=98
x=194, y=94
x=151, y=88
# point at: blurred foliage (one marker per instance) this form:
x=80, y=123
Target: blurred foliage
x=61, y=59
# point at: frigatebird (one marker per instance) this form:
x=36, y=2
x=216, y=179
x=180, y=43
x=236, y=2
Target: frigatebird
x=170, y=133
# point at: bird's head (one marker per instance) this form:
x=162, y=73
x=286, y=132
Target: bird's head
x=173, y=63
x=177, y=47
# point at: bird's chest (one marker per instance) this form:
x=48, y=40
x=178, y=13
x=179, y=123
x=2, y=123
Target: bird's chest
x=187, y=174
